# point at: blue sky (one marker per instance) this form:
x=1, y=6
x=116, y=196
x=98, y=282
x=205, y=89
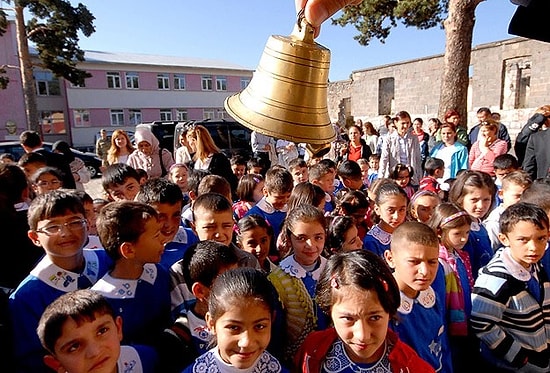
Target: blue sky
x=236, y=31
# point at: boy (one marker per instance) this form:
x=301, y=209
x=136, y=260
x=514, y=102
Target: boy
x=31, y=162
x=322, y=175
x=272, y=207
x=374, y=163
x=513, y=185
x=120, y=182
x=93, y=240
x=413, y=256
x=81, y=334
x=254, y=166
x=299, y=171
x=215, y=184
x=193, y=180
x=434, y=168
x=350, y=175
x=57, y=223
x=137, y=287
x=167, y=200
x=238, y=165
x=503, y=165
x=511, y=296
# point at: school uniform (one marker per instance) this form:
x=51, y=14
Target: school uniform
x=377, y=240
x=174, y=250
x=478, y=247
x=212, y=362
x=274, y=217
x=137, y=359
x=42, y=286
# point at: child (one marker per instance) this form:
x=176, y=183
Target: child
x=511, y=295
x=215, y=184
x=343, y=235
x=355, y=204
x=364, y=165
x=46, y=179
x=30, y=162
x=167, y=200
x=7, y=158
x=513, y=185
x=474, y=191
x=278, y=185
x=309, y=193
x=120, y=182
x=434, y=168
x=99, y=203
x=81, y=333
x=254, y=166
x=503, y=165
x=298, y=168
x=92, y=241
x=238, y=166
x=249, y=192
x=413, y=257
x=374, y=163
x=359, y=292
x=323, y=175
x=422, y=205
x=137, y=287
x=402, y=175
x=255, y=236
x=241, y=307
x=350, y=175
x=193, y=180
x=390, y=206
x=452, y=225
x=178, y=174
x=57, y=223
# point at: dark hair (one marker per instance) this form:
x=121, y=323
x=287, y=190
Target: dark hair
x=402, y=114
x=83, y=196
x=337, y=228
x=194, y=179
x=13, y=183
x=522, y=211
x=53, y=204
x=351, y=201
x=389, y=189
x=441, y=218
x=120, y=222
x=468, y=180
x=303, y=213
x=214, y=184
x=328, y=163
x=253, y=162
x=278, y=180
x=539, y=194
x=296, y=162
x=432, y=165
x=241, y=286
x=319, y=170
x=47, y=171
x=418, y=120
x=159, y=190
x=117, y=174
x=246, y=186
x=203, y=262
x=374, y=157
x=142, y=174
x=30, y=158
x=450, y=113
x=213, y=202
x=9, y=156
x=252, y=221
x=370, y=128
x=362, y=270
x=306, y=192
x=350, y=170
x=65, y=149
x=401, y=167
x=518, y=177
x=30, y=139
x=80, y=306
x=413, y=232
x=237, y=159
x=484, y=110
x=506, y=161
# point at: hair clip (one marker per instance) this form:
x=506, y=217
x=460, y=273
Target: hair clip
x=334, y=282
x=256, y=180
x=454, y=216
x=385, y=285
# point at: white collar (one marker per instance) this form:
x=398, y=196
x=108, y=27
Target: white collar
x=61, y=279
x=380, y=235
x=129, y=360
x=426, y=298
x=267, y=207
x=514, y=268
x=119, y=288
x=295, y=269
x=181, y=236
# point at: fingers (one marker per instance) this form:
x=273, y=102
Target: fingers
x=318, y=11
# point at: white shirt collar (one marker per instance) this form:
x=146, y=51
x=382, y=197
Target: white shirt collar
x=293, y=268
x=129, y=360
x=119, y=288
x=267, y=207
x=426, y=298
x=514, y=268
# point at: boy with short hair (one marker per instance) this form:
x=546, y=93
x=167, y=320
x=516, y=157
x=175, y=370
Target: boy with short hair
x=194, y=179
x=57, y=223
x=511, y=296
x=299, y=171
x=350, y=175
x=137, y=287
x=434, y=168
x=31, y=162
x=323, y=175
x=215, y=184
x=120, y=182
x=421, y=321
x=272, y=207
x=503, y=165
x=69, y=330
x=254, y=166
x=513, y=185
x=238, y=165
x=167, y=200
x=88, y=203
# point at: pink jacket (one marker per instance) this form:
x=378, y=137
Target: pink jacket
x=479, y=162
x=149, y=163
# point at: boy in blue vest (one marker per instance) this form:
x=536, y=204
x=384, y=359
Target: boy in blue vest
x=57, y=223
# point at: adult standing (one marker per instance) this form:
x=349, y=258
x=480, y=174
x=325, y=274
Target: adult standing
x=484, y=115
x=149, y=156
x=356, y=148
x=433, y=130
x=537, y=154
x=102, y=147
x=370, y=135
x=537, y=122
x=32, y=143
x=486, y=148
x=423, y=139
x=453, y=153
x=185, y=153
x=80, y=172
x=121, y=148
x=453, y=117
x=263, y=147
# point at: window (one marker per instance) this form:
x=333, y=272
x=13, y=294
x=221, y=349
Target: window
x=132, y=80
x=135, y=116
x=52, y=122
x=113, y=80
x=221, y=83
x=117, y=117
x=208, y=114
x=386, y=95
x=163, y=81
x=206, y=83
x=222, y=114
x=165, y=114
x=516, y=85
x=179, y=82
x=244, y=82
x=81, y=118
x=181, y=114
x=46, y=84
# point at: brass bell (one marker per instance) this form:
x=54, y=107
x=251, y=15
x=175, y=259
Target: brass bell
x=287, y=96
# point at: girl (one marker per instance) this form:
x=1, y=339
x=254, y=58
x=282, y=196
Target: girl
x=121, y=148
x=255, y=235
x=364, y=164
x=474, y=191
x=241, y=307
x=422, y=205
x=343, y=235
x=390, y=207
x=46, y=179
x=402, y=175
x=359, y=292
x=307, y=193
x=249, y=192
x=452, y=225
x=178, y=174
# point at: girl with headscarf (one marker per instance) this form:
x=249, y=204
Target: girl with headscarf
x=149, y=156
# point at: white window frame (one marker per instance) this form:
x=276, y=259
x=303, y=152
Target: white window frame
x=117, y=117
x=179, y=82
x=181, y=114
x=221, y=83
x=165, y=114
x=206, y=83
x=132, y=80
x=244, y=82
x=134, y=116
x=113, y=80
x=81, y=118
x=46, y=84
x=163, y=82
x=208, y=114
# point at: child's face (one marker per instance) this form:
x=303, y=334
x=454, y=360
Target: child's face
x=439, y=172
x=527, y=242
x=374, y=163
x=46, y=183
x=424, y=207
x=392, y=212
x=242, y=332
x=238, y=170
x=500, y=173
x=364, y=170
x=361, y=323
x=276, y=199
x=415, y=266
x=403, y=178
x=354, y=184
x=126, y=191
x=65, y=244
x=308, y=240
x=326, y=182
x=455, y=238
x=402, y=125
x=30, y=168
x=511, y=194
x=92, y=346
x=178, y=175
x=258, y=191
x=256, y=241
x=150, y=244
x=352, y=240
x=300, y=175
x=255, y=170
x=90, y=217
x=169, y=219
x=477, y=202
x=216, y=226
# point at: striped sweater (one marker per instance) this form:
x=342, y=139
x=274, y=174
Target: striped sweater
x=506, y=317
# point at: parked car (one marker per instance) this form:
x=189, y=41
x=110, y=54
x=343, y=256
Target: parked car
x=92, y=162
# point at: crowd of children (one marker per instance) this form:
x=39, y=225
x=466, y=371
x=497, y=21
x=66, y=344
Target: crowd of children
x=311, y=266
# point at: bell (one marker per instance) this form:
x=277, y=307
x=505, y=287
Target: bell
x=287, y=96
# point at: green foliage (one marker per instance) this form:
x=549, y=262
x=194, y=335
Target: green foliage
x=374, y=19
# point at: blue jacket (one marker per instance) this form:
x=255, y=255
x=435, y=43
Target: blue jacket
x=459, y=160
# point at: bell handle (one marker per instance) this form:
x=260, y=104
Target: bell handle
x=303, y=31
